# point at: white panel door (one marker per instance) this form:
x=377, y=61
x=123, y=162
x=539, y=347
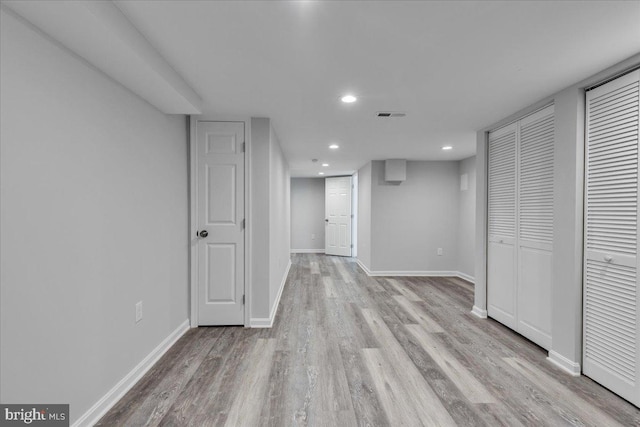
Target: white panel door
x=338, y=216
x=501, y=253
x=220, y=222
x=611, y=309
x=535, y=225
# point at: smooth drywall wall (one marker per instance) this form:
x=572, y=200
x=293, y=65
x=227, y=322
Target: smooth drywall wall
x=364, y=216
x=307, y=214
x=270, y=219
x=412, y=219
x=260, y=216
x=94, y=218
x=279, y=219
x=566, y=291
x=466, y=216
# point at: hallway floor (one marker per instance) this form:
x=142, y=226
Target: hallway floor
x=347, y=349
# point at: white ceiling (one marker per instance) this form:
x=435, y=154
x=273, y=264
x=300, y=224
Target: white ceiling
x=454, y=67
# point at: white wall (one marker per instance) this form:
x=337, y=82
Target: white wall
x=260, y=217
x=270, y=220
x=467, y=217
x=401, y=225
x=412, y=219
x=280, y=220
x=364, y=216
x=307, y=214
x=94, y=217
x=566, y=292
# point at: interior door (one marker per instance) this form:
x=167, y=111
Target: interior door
x=338, y=216
x=220, y=222
x=611, y=293
x=501, y=247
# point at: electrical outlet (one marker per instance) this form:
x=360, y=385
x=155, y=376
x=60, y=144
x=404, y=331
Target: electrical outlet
x=439, y=251
x=313, y=237
x=138, y=311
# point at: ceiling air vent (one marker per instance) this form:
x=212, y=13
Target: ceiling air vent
x=390, y=114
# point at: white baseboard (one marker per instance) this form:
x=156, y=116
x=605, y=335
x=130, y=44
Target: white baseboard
x=307, y=251
x=363, y=267
x=93, y=415
x=267, y=322
x=413, y=273
x=261, y=322
x=399, y=273
x=569, y=366
x=466, y=277
x=477, y=311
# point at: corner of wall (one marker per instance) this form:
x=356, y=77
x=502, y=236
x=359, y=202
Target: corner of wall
x=479, y=312
x=102, y=406
x=480, y=289
x=271, y=222
x=267, y=322
x=570, y=367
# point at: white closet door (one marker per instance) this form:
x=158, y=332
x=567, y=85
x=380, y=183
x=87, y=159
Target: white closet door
x=535, y=226
x=611, y=312
x=501, y=253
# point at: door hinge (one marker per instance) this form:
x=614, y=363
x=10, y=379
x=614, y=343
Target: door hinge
x=243, y=147
x=242, y=299
x=242, y=224
x=352, y=245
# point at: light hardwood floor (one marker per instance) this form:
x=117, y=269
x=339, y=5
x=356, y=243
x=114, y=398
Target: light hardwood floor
x=347, y=349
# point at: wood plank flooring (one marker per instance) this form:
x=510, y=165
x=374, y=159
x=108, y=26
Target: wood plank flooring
x=351, y=350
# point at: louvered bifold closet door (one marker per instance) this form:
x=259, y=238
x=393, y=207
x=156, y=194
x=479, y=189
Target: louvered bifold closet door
x=535, y=226
x=611, y=333
x=501, y=272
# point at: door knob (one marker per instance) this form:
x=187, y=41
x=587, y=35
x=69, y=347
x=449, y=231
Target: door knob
x=203, y=233
x=326, y=220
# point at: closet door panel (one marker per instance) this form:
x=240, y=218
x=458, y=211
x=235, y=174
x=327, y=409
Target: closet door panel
x=611, y=310
x=534, y=295
x=501, y=253
x=535, y=225
x=501, y=284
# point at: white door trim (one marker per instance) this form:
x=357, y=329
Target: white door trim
x=193, y=220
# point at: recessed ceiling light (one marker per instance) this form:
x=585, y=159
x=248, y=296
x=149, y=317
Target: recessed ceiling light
x=320, y=173
x=325, y=165
x=447, y=147
x=334, y=146
x=348, y=99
